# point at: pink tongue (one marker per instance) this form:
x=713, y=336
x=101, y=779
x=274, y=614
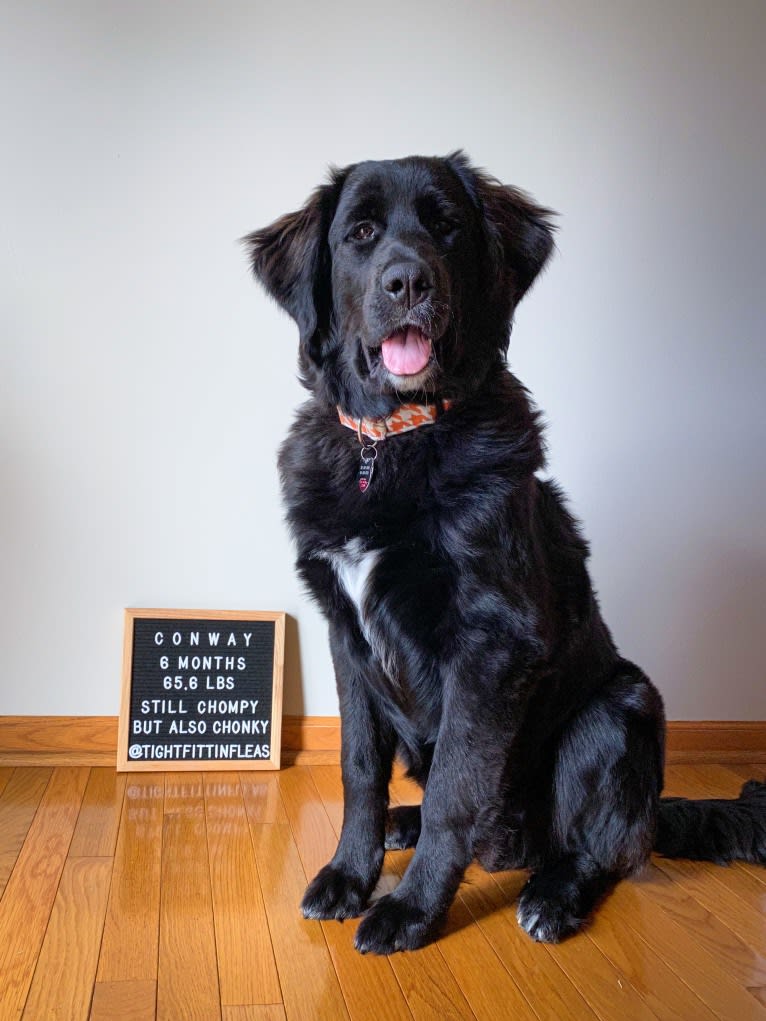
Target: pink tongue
x=407, y=352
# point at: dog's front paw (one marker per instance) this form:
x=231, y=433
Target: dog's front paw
x=333, y=893
x=393, y=924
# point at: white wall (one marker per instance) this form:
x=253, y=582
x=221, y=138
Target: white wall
x=145, y=383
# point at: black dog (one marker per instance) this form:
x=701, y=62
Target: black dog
x=465, y=634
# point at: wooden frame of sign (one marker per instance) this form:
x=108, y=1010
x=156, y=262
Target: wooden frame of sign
x=201, y=689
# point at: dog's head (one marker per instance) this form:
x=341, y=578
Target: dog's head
x=402, y=276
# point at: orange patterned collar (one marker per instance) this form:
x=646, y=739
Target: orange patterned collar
x=406, y=417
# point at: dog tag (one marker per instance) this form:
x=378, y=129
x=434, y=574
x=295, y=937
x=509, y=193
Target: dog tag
x=366, y=467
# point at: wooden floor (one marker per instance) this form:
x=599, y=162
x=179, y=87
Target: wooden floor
x=175, y=896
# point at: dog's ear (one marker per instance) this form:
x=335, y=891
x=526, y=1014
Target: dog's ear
x=520, y=233
x=291, y=259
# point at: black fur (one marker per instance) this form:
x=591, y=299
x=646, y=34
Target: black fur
x=719, y=829
x=477, y=652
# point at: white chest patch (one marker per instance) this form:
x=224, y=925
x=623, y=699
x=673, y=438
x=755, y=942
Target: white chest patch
x=353, y=566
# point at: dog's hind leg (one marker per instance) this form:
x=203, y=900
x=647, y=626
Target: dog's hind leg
x=606, y=785
x=402, y=827
x=558, y=898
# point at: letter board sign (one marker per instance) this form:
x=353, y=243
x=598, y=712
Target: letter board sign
x=201, y=689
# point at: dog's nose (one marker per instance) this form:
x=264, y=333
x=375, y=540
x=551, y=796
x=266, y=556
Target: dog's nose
x=408, y=283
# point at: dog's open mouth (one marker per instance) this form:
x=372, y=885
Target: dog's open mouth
x=406, y=352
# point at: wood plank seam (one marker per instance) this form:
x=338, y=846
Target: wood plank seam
x=34, y=885
x=258, y=871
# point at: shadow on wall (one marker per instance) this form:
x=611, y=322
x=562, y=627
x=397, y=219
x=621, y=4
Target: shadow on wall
x=717, y=642
x=293, y=699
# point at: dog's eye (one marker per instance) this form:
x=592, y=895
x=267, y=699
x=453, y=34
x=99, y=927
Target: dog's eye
x=443, y=226
x=364, y=231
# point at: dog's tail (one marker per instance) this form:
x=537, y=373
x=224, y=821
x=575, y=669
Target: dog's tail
x=718, y=830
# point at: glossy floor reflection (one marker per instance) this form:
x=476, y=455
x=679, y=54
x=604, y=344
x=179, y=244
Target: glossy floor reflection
x=175, y=896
